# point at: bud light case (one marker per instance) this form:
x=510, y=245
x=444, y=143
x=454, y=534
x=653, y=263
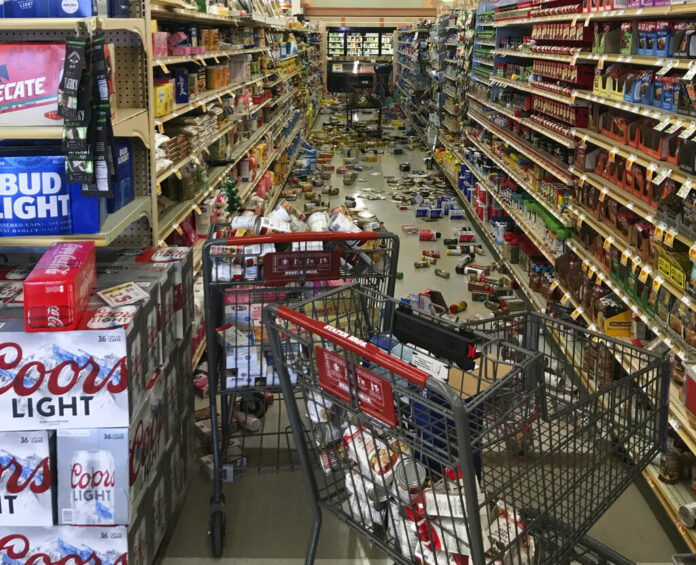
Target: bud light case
x=58, y=288
x=93, y=476
x=26, y=479
x=124, y=187
x=63, y=544
x=29, y=78
x=62, y=379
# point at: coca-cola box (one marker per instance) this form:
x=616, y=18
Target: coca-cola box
x=108, y=278
x=182, y=260
x=93, y=477
x=147, y=439
x=178, y=472
x=98, y=316
x=64, y=544
x=171, y=386
x=58, y=287
x=62, y=380
x=160, y=508
x=26, y=479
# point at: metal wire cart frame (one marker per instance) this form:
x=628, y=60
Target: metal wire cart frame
x=499, y=443
x=241, y=276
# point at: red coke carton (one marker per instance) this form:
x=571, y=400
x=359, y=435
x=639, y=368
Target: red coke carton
x=59, y=286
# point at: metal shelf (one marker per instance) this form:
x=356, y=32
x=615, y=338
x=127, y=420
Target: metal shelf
x=521, y=85
x=633, y=153
x=160, y=11
x=624, y=14
x=530, y=55
x=200, y=59
x=640, y=109
x=556, y=169
x=205, y=98
x=558, y=138
x=198, y=355
x=136, y=25
x=520, y=180
x=282, y=79
x=129, y=122
x=114, y=225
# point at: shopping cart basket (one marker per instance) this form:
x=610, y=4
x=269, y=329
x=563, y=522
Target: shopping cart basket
x=242, y=275
x=502, y=442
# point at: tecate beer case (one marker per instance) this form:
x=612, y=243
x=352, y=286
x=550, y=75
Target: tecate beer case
x=26, y=477
x=93, y=476
x=31, y=75
x=59, y=286
x=64, y=544
x=62, y=380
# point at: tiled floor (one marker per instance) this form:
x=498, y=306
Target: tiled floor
x=268, y=518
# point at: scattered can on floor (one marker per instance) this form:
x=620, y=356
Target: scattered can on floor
x=431, y=253
x=458, y=307
x=399, y=275
x=421, y=264
x=442, y=274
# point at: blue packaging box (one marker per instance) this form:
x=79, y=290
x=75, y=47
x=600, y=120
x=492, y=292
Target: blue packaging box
x=34, y=198
x=124, y=187
x=72, y=8
x=181, y=86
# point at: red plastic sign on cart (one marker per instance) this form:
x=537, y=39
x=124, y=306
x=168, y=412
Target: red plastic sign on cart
x=312, y=265
x=374, y=393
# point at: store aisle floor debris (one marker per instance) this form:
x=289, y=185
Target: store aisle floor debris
x=268, y=518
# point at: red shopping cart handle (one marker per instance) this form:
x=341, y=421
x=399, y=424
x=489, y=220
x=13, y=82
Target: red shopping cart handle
x=303, y=236
x=356, y=345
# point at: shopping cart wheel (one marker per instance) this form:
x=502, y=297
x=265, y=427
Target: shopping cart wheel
x=255, y=404
x=218, y=522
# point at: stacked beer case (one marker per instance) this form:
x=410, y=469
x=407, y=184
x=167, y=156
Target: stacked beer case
x=96, y=402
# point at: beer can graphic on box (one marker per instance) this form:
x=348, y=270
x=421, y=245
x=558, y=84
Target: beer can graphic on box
x=93, y=477
x=26, y=476
x=62, y=380
x=63, y=544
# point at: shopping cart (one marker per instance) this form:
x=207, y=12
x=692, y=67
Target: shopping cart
x=498, y=443
x=241, y=276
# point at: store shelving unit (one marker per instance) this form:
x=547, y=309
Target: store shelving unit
x=139, y=223
x=513, y=56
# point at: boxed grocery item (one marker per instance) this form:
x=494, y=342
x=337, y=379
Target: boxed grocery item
x=93, y=378
x=36, y=544
x=30, y=75
x=26, y=479
x=124, y=187
x=147, y=439
x=58, y=287
x=130, y=318
x=93, y=476
x=164, y=97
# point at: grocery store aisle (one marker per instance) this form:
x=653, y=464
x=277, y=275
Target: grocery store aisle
x=268, y=517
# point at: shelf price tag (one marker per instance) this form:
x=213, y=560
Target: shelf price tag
x=635, y=262
x=584, y=140
x=159, y=126
x=644, y=273
x=580, y=219
x=197, y=209
x=686, y=299
x=600, y=63
x=608, y=241
x=163, y=67
x=661, y=124
x=669, y=238
x=688, y=132
x=162, y=243
x=659, y=232
x=573, y=94
x=661, y=176
x=612, y=154
x=685, y=188
x=566, y=298
x=665, y=69
x=691, y=73
x=576, y=313
x=581, y=181
x=591, y=273
x=553, y=285
x=158, y=189
x=625, y=256
x=603, y=194
x=657, y=282
x=631, y=159
x=177, y=172
x=178, y=229
x=675, y=126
